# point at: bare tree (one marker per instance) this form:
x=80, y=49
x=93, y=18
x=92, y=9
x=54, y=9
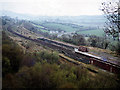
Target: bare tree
x=111, y=10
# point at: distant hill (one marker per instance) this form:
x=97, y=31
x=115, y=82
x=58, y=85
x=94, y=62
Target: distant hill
x=85, y=20
x=85, y=24
x=16, y=15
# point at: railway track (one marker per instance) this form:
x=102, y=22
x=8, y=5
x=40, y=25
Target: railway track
x=67, y=51
x=67, y=60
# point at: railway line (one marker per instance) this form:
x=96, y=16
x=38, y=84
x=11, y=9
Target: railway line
x=70, y=61
x=68, y=50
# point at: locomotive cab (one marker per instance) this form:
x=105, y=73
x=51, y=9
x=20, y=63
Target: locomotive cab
x=83, y=49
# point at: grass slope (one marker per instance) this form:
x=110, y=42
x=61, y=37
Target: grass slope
x=60, y=27
x=93, y=32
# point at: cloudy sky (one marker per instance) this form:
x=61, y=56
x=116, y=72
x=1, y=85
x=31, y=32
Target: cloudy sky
x=53, y=7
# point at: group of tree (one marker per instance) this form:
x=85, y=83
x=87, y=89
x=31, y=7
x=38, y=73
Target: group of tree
x=99, y=42
x=56, y=76
x=111, y=11
x=75, y=39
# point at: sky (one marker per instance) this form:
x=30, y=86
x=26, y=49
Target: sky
x=53, y=7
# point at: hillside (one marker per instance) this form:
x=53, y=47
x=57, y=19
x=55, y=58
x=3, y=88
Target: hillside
x=31, y=64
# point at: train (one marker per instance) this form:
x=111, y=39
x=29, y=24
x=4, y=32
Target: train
x=83, y=49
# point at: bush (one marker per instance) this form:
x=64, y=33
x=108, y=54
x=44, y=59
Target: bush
x=115, y=46
x=50, y=57
x=99, y=42
x=76, y=39
x=12, y=55
x=55, y=76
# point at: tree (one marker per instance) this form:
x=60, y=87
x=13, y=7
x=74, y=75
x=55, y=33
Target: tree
x=111, y=10
x=99, y=42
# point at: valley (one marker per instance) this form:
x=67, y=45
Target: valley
x=35, y=39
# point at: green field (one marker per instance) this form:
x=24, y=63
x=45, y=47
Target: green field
x=56, y=26
x=44, y=30
x=62, y=27
x=92, y=32
x=41, y=28
x=38, y=26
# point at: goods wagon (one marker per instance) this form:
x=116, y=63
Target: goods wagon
x=99, y=62
x=105, y=65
